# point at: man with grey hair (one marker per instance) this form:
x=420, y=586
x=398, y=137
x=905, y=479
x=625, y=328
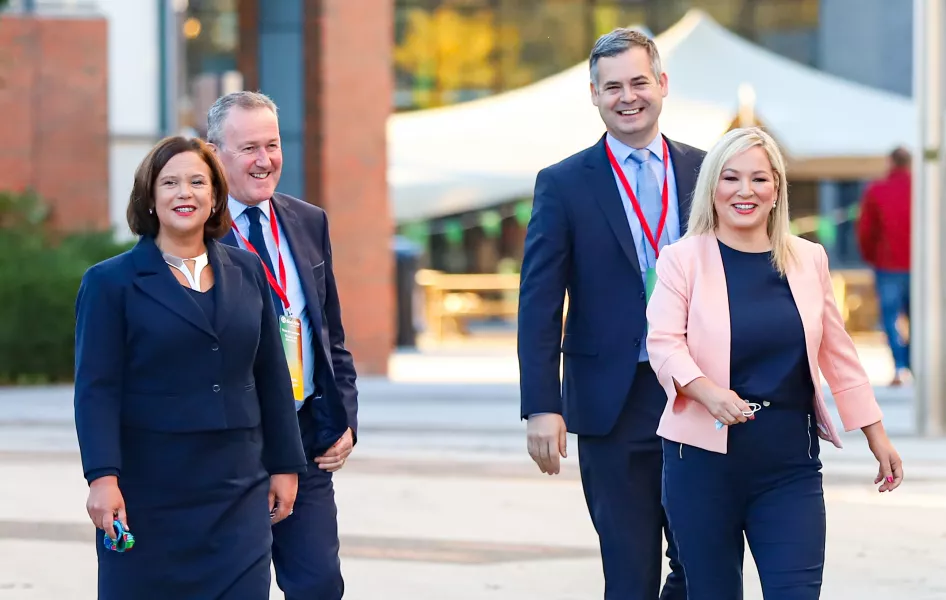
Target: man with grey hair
x=599, y=219
x=291, y=238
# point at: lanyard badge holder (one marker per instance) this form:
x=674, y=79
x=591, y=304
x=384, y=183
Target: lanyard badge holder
x=290, y=326
x=754, y=407
x=123, y=542
x=650, y=276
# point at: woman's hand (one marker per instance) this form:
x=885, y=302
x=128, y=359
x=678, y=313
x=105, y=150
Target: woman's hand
x=106, y=504
x=890, y=470
x=725, y=405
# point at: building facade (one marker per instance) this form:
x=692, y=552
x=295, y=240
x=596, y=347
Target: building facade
x=509, y=43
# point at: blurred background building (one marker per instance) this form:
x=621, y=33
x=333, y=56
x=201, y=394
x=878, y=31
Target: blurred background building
x=407, y=116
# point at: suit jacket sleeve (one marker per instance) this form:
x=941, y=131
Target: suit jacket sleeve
x=667, y=316
x=838, y=360
x=542, y=288
x=342, y=363
x=282, y=442
x=99, y=366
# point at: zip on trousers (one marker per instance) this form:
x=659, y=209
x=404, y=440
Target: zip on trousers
x=809, y=436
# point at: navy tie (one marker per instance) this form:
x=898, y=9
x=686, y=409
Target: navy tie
x=256, y=239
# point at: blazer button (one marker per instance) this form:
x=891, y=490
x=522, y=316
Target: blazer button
x=643, y=295
x=216, y=388
x=637, y=342
x=215, y=347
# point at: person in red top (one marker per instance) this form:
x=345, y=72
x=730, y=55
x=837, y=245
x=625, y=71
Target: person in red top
x=884, y=237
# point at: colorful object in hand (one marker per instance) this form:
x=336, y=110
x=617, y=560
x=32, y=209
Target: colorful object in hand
x=124, y=541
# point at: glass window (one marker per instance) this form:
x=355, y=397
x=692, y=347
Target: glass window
x=445, y=52
x=209, y=43
x=449, y=51
x=609, y=15
x=543, y=37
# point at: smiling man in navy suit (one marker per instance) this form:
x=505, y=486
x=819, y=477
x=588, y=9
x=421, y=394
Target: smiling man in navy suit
x=291, y=238
x=598, y=222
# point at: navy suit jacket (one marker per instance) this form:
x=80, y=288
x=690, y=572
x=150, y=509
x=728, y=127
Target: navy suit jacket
x=306, y=229
x=579, y=240
x=148, y=358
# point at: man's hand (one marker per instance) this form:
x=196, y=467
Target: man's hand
x=106, y=505
x=545, y=435
x=282, y=495
x=335, y=457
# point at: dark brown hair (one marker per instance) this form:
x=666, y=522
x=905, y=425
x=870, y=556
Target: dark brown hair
x=900, y=157
x=143, y=222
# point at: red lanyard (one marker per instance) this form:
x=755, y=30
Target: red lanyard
x=279, y=286
x=664, y=198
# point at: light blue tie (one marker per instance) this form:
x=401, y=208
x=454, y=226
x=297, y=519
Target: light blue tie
x=648, y=196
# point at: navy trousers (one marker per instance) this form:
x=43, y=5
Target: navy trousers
x=768, y=488
x=305, y=545
x=621, y=477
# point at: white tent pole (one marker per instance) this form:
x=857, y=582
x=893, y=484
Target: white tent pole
x=927, y=292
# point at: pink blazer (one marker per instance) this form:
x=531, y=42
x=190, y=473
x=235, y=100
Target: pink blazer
x=689, y=337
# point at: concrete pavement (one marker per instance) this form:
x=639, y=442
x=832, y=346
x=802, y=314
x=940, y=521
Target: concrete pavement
x=440, y=500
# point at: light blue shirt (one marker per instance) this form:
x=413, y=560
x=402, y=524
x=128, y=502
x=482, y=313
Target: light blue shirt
x=622, y=153
x=294, y=293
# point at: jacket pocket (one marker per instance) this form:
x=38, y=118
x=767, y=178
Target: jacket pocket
x=578, y=346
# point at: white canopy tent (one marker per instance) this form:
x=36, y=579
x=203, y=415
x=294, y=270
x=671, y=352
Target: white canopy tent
x=482, y=153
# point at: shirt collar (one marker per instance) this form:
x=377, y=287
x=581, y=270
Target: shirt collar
x=622, y=151
x=237, y=208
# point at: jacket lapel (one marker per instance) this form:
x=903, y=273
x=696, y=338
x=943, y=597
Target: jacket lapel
x=228, y=279
x=154, y=278
x=808, y=301
x=230, y=239
x=686, y=167
x=717, y=314
x=303, y=255
x=604, y=190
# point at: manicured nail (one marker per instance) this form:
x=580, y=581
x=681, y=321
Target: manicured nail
x=889, y=479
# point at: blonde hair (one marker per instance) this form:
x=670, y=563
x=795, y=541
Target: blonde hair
x=703, y=218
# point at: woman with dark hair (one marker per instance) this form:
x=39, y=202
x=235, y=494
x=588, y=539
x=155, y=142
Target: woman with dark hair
x=183, y=403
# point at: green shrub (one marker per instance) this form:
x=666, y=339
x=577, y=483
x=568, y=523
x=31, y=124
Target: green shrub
x=40, y=271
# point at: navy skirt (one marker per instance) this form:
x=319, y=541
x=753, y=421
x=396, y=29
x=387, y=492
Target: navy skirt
x=197, y=504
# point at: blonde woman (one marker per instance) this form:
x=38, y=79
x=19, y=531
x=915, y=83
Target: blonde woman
x=741, y=320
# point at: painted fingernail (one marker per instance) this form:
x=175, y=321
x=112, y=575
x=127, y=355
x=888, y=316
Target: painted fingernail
x=889, y=479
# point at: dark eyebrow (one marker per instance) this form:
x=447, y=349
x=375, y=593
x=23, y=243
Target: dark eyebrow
x=641, y=78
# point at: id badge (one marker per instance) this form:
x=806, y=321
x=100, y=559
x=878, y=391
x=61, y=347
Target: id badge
x=651, y=282
x=290, y=330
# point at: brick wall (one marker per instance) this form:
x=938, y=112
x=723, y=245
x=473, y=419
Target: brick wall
x=349, y=84
x=348, y=88
x=54, y=110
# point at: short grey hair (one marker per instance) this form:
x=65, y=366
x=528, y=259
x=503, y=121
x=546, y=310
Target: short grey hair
x=217, y=115
x=618, y=42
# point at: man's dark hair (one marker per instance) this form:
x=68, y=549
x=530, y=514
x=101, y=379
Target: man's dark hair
x=900, y=158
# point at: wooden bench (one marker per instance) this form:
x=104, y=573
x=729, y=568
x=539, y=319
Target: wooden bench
x=454, y=299
x=451, y=300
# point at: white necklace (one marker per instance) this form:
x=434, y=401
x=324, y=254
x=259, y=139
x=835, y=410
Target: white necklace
x=178, y=263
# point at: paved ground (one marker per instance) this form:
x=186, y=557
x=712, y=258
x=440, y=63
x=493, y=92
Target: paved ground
x=439, y=502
